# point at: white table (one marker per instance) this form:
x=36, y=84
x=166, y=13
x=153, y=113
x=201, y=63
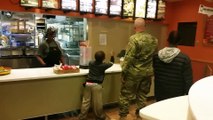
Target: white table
x=170, y=109
x=201, y=99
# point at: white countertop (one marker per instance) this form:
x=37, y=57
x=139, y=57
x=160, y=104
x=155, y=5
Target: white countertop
x=42, y=73
x=169, y=109
x=201, y=99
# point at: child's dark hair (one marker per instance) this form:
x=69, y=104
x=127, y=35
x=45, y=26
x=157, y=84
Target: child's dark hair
x=99, y=56
x=173, y=38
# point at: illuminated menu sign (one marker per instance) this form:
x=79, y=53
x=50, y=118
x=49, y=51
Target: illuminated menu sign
x=161, y=9
x=140, y=9
x=69, y=5
x=50, y=4
x=151, y=9
x=29, y=3
x=128, y=8
x=101, y=6
x=86, y=5
x=115, y=7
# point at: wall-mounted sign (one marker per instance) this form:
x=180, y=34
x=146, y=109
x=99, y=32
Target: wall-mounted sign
x=151, y=9
x=52, y=4
x=208, y=34
x=115, y=7
x=140, y=8
x=86, y=6
x=128, y=8
x=205, y=10
x=69, y=5
x=101, y=6
x=29, y=3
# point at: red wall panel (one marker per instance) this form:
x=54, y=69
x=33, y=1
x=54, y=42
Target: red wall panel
x=187, y=11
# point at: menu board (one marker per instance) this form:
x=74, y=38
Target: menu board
x=29, y=3
x=151, y=9
x=140, y=8
x=50, y=4
x=115, y=7
x=101, y=6
x=69, y=5
x=161, y=9
x=86, y=5
x=128, y=8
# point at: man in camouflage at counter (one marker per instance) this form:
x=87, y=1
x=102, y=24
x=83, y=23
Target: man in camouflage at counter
x=137, y=69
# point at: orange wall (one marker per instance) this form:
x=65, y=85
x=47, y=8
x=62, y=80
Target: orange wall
x=187, y=11
x=183, y=11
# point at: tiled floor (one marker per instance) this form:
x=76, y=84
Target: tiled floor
x=112, y=112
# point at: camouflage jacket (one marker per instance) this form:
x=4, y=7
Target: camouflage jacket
x=139, y=53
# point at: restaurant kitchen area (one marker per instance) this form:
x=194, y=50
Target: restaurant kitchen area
x=21, y=33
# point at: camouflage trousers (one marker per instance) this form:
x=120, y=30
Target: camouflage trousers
x=133, y=87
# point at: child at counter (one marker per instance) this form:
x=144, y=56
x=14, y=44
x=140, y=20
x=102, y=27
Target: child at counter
x=92, y=93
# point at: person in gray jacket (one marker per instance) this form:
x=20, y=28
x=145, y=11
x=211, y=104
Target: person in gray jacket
x=172, y=70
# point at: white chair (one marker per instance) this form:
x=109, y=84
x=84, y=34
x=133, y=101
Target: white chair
x=170, y=109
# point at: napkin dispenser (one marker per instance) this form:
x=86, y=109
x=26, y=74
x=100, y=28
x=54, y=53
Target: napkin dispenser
x=85, y=57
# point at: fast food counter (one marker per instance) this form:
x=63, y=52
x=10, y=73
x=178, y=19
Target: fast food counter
x=35, y=92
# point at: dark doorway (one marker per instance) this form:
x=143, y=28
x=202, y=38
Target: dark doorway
x=187, y=31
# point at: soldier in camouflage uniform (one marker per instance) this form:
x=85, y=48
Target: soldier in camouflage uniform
x=137, y=69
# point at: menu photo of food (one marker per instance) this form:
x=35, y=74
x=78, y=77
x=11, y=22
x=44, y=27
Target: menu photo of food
x=128, y=8
x=101, y=6
x=50, y=4
x=161, y=9
x=115, y=7
x=29, y=3
x=69, y=5
x=151, y=9
x=86, y=5
x=140, y=9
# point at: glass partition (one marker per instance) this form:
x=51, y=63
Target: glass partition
x=71, y=31
x=21, y=33
x=18, y=28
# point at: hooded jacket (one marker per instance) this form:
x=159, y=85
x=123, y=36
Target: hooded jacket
x=173, y=73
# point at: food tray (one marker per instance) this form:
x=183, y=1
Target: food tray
x=6, y=71
x=66, y=71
